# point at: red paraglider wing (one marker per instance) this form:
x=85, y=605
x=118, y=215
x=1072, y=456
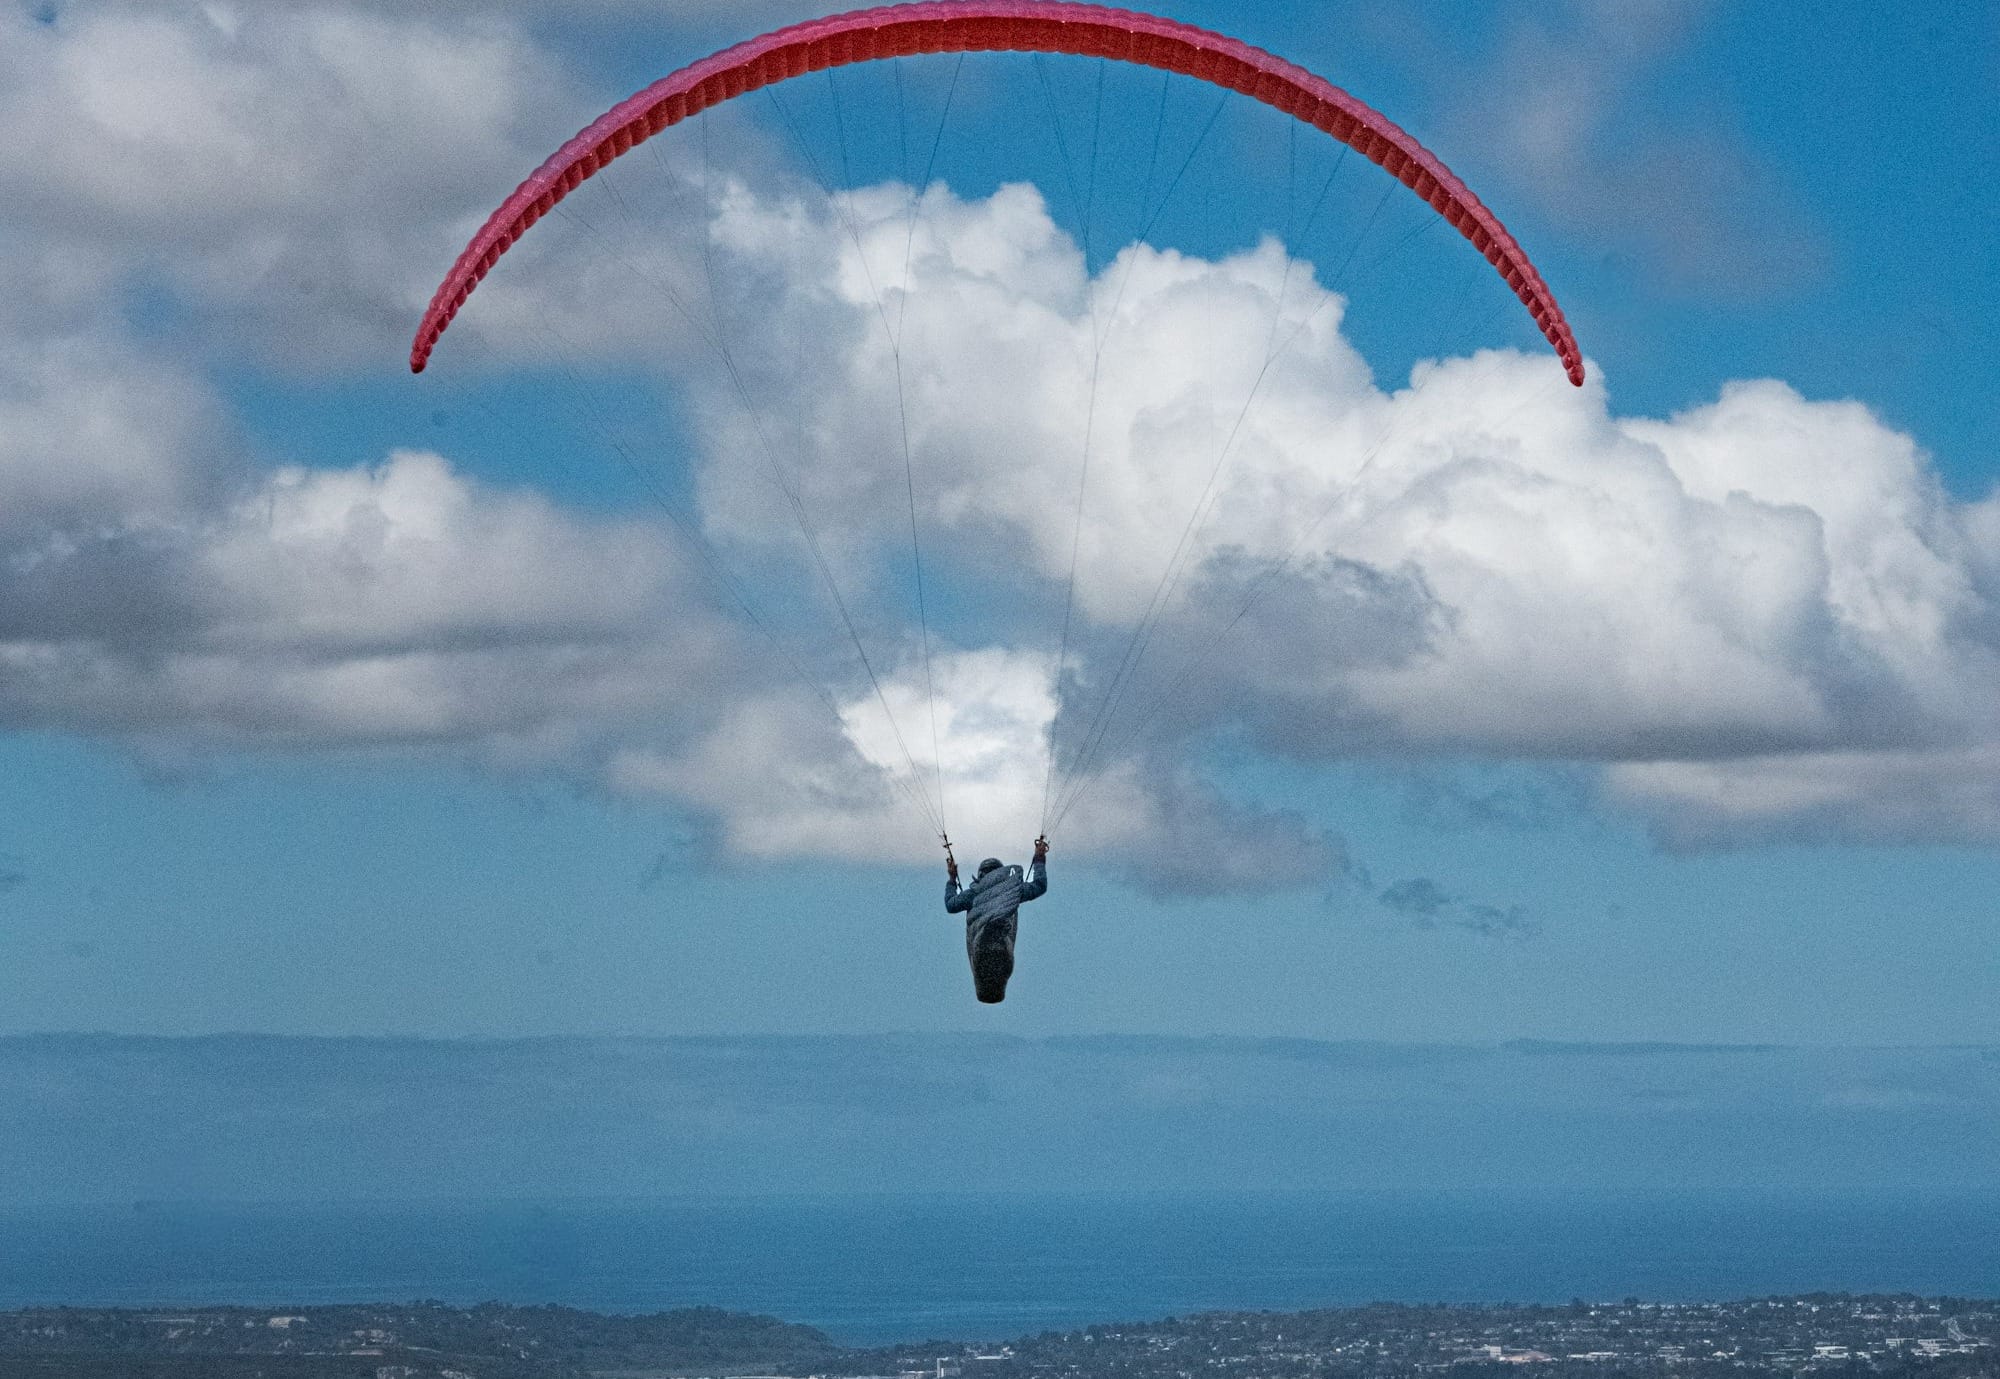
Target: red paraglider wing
x=960, y=26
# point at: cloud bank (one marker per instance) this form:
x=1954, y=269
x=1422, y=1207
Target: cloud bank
x=1760, y=618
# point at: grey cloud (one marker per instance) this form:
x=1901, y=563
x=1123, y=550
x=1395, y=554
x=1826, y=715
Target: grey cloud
x=1493, y=921
x=192, y=164
x=1199, y=845
x=1419, y=896
x=98, y=435
x=129, y=591
x=289, y=177
x=1430, y=906
x=1290, y=635
x=689, y=843
x=1260, y=646
x=1921, y=797
x=358, y=609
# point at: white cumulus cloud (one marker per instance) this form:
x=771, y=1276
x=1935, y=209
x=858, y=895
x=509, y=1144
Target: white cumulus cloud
x=1762, y=616
x=1482, y=561
x=297, y=175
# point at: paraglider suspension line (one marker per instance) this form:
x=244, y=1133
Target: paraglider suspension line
x=797, y=505
x=1086, y=203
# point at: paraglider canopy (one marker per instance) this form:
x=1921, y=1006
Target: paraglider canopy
x=961, y=26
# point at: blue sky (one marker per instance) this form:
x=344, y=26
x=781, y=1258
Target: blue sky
x=336, y=701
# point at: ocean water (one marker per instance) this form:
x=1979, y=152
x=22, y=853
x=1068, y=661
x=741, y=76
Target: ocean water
x=884, y=1269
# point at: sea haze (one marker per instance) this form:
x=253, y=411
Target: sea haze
x=116, y=1120
x=895, y=1187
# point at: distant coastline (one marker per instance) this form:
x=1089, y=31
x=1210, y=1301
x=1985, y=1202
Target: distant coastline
x=890, y=1268
x=1824, y=1334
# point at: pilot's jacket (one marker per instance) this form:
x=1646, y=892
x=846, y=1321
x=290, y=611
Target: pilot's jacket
x=992, y=905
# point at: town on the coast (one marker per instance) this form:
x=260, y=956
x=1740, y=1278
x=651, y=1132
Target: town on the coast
x=1827, y=1336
